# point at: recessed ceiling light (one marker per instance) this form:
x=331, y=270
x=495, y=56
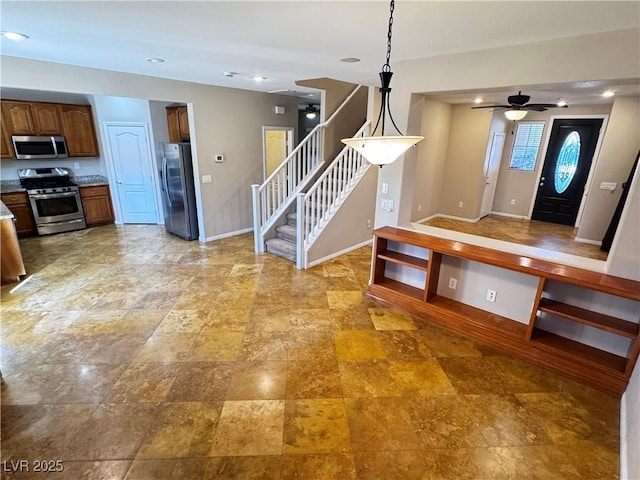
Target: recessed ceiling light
x=477, y=100
x=155, y=60
x=15, y=36
x=350, y=60
x=258, y=78
x=608, y=93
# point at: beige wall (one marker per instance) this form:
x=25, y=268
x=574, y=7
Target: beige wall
x=463, y=176
x=224, y=120
x=349, y=227
x=618, y=151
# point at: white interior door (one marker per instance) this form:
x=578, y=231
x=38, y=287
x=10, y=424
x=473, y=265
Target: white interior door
x=132, y=165
x=491, y=169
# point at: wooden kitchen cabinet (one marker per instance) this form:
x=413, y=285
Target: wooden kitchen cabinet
x=79, y=131
x=19, y=205
x=46, y=118
x=74, y=122
x=6, y=151
x=178, y=123
x=97, y=206
x=18, y=118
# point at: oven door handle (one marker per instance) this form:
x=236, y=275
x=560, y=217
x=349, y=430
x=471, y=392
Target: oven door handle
x=45, y=196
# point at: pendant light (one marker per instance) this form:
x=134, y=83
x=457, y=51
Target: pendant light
x=515, y=114
x=383, y=149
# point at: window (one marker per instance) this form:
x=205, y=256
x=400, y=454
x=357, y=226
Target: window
x=526, y=145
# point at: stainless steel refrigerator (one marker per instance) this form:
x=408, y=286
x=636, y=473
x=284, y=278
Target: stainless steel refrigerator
x=175, y=172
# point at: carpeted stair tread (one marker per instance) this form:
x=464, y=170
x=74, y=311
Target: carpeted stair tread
x=281, y=248
x=286, y=232
x=292, y=218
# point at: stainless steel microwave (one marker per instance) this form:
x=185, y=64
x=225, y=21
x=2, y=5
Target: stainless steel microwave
x=32, y=147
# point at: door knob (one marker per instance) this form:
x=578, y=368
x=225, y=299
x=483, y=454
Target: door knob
x=119, y=182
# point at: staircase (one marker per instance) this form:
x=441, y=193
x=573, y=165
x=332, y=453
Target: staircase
x=284, y=244
x=276, y=226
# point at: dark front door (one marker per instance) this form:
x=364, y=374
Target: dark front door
x=566, y=166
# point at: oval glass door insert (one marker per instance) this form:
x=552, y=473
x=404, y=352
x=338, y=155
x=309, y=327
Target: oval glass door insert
x=567, y=162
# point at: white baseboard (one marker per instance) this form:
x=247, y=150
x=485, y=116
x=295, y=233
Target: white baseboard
x=461, y=219
x=425, y=219
x=586, y=240
x=341, y=252
x=510, y=215
x=229, y=234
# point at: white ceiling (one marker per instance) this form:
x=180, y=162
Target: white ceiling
x=295, y=40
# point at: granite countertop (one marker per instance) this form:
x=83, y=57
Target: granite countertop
x=90, y=180
x=5, y=213
x=13, y=185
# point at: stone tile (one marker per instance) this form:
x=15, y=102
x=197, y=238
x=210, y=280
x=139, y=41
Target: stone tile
x=144, y=382
x=315, y=426
x=201, y=382
x=504, y=421
x=221, y=319
x=393, y=465
x=182, y=429
x=36, y=432
x=391, y=319
x=307, y=344
x=335, y=466
x=178, y=321
x=343, y=299
x=252, y=427
x=263, y=346
x=464, y=463
x=358, y=345
x=264, y=467
x=379, y=424
x=113, y=431
x=314, y=378
x=405, y=344
x=168, y=347
x=356, y=318
x=258, y=380
x=269, y=319
x=445, y=422
x=448, y=344
x=216, y=346
x=473, y=375
x=167, y=469
x=307, y=319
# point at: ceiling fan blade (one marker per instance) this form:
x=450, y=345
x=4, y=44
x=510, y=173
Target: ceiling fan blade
x=535, y=108
x=544, y=105
x=493, y=106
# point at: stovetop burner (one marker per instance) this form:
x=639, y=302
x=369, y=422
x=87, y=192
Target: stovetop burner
x=39, y=178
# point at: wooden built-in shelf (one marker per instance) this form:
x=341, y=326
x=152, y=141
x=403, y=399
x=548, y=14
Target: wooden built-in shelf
x=403, y=259
x=588, y=317
x=581, y=352
x=583, y=363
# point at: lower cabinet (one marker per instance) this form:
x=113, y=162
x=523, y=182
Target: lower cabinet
x=97, y=206
x=18, y=203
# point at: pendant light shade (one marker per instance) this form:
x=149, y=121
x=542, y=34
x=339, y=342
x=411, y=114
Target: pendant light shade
x=381, y=150
x=515, y=114
x=384, y=149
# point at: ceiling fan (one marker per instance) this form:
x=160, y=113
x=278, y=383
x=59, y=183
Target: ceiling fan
x=519, y=106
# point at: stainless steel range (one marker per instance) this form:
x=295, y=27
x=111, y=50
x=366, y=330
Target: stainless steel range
x=55, y=199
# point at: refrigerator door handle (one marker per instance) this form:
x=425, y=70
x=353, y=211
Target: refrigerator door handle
x=165, y=180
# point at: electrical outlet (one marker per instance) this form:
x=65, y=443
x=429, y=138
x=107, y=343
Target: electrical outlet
x=385, y=187
x=453, y=283
x=491, y=295
x=460, y=204
x=76, y=165
x=368, y=224
x=513, y=201
x=419, y=207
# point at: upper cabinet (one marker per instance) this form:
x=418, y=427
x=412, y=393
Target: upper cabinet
x=178, y=122
x=74, y=122
x=77, y=121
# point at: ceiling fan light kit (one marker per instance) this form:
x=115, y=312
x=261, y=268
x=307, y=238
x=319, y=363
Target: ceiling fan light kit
x=383, y=149
x=518, y=106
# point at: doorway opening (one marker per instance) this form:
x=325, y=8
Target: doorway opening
x=277, y=144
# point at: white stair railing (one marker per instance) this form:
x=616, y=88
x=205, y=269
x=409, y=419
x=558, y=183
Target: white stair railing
x=320, y=203
x=271, y=199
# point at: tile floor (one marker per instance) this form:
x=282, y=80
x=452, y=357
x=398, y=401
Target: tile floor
x=134, y=355
x=548, y=236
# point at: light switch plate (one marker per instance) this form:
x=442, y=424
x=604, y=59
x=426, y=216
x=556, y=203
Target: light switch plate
x=206, y=179
x=611, y=186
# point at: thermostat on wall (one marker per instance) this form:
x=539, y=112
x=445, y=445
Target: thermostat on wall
x=219, y=158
